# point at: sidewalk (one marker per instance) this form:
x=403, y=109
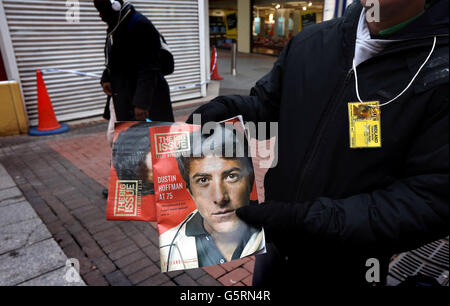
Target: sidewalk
x=250, y=68
x=29, y=256
x=63, y=180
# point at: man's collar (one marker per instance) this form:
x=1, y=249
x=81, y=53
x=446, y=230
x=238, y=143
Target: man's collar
x=127, y=12
x=350, y=27
x=194, y=227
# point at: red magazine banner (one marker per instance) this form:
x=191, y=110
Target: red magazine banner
x=197, y=193
x=174, y=202
x=131, y=193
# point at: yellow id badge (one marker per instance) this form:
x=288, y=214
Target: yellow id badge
x=365, y=126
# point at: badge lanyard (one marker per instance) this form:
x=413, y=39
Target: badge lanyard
x=407, y=87
x=365, y=117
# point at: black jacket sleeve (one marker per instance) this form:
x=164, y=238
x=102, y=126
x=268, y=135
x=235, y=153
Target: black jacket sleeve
x=147, y=46
x=262, y=105
x=412, y=211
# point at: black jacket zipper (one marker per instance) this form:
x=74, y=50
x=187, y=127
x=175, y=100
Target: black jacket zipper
x=329, y=113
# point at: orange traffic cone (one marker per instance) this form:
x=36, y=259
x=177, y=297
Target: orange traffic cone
x=214, y=73
x=48, y=124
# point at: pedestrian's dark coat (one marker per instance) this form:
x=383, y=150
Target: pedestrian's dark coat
x=134, y=72
x=361, y=203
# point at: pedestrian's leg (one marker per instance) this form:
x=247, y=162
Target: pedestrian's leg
x=110, y=132
x=112, y=122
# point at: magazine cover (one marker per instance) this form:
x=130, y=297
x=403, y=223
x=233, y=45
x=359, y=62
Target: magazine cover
x=131, y=193
x=200, y=180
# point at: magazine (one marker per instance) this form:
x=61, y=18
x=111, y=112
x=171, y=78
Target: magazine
x=131, y=193
x=200, y=179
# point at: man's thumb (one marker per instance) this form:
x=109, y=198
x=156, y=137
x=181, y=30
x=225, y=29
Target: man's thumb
x=252, y=214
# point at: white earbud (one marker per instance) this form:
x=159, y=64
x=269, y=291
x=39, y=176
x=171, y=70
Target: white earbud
x=116, y=6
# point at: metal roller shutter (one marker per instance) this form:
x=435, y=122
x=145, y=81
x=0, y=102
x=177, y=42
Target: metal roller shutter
x=42, y=38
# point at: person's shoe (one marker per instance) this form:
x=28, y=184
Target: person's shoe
x=105, y=193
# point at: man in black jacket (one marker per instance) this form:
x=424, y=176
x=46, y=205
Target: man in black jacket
x=333, y=203
x=132, y=80
x=133, y=76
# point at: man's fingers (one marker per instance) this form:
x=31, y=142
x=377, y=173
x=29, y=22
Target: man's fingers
x=252, y=214
x=140, y=114
x=190, y=119
x=107, y=88
x=210, y=112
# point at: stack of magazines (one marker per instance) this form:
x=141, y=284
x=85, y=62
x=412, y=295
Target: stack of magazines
x=190, y=180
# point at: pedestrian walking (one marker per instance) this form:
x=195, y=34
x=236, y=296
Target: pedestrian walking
x=133, y=78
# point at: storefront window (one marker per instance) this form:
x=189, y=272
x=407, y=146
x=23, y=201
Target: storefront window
x=223, y=23
x=275, y=22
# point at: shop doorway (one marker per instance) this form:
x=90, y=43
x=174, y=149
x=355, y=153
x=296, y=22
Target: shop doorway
x=223, y=23
x=274, y=23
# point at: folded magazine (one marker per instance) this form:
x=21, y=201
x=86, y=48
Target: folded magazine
x=190, y=182
x=200, y=179
x=131, y=194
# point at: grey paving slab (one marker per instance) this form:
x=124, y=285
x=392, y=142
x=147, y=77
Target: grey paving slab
x=5, y=180
x=16, y=213
x=22, y=234
x=30, y=262
x=13, y=200
x=54, y=278
x=28, y=253
x=250, y=68
x=15, y=142
x=9, y=193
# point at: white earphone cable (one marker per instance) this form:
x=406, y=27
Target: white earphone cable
x=407, y=87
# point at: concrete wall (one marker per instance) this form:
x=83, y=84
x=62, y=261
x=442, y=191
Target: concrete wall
x=244, y=24
x=13, y=119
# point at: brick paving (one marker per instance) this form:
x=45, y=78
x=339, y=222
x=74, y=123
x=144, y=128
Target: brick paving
x=29, y=255
x=63, y=178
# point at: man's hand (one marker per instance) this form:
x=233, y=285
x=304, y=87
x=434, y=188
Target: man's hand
x=107, y=89
x=212, y=111
x=281, y=221
x=140, y=114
